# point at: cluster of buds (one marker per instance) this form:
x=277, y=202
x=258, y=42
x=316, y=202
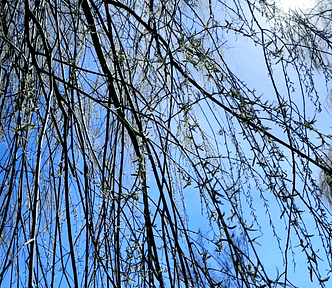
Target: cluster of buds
x=325, y=179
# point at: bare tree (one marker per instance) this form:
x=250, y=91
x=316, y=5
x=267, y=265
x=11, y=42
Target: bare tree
x=115, y=113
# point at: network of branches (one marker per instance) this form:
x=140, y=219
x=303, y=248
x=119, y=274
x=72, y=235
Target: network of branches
x=132, y=154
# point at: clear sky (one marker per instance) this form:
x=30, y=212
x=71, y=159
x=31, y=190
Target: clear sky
x=246, y=61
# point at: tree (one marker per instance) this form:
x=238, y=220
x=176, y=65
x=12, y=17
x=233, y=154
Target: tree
x=115, y=113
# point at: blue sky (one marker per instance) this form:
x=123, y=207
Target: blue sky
x=246, y=61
